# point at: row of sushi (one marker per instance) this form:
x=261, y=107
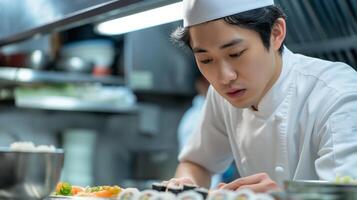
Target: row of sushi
x=188, y=192
x=159, y=191
x=135, y=194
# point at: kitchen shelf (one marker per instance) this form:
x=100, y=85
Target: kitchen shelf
x=69, y=104
x=22, y=76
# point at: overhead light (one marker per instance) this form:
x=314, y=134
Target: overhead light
x=146, y=19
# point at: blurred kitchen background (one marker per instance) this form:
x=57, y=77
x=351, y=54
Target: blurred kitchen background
x=113, y=99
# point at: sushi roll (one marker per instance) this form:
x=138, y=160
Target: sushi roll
x=188, y=187
x=148, y=195
x=189, y=195
x=165, y=196
x=220, y=195
x=128, y=194
x=202, y=191
x=160, y=187
x=243, y=194
x=175, y=189
x=263, y=197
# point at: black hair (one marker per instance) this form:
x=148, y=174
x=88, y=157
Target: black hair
x=260, y=20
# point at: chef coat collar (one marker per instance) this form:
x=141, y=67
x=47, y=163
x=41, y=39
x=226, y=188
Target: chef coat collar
x=274, y=97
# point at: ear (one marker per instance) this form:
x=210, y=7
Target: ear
x=278, y=34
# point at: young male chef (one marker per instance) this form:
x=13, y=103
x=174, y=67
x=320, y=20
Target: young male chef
x=279, y=115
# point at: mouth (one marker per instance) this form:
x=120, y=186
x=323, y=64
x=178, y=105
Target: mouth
x=236, y=93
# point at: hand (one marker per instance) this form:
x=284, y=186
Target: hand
x=180, y=181
x=258, y=183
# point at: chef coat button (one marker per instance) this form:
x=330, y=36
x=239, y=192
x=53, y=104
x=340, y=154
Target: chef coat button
x=279, y=169
x=279, y=174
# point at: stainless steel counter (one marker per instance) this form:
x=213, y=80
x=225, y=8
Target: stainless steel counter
x=20, y=76
x=68, y=104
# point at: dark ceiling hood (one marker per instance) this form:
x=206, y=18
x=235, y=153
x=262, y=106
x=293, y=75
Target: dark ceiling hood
x=321, y=28
x=39, y=17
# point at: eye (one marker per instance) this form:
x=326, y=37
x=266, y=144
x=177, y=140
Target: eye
x=235, y=55
x=206, y=61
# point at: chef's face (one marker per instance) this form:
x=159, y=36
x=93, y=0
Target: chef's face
x=235, y=61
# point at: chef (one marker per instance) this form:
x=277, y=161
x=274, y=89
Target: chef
x=278, y=115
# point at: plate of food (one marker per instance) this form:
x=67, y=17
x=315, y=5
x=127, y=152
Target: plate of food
x=65, y=190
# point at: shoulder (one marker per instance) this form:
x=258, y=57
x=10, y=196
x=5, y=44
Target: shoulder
x=338, y=77
x=323, y=87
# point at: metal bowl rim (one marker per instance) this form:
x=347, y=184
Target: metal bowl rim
x=8, y=150
x=302, y=183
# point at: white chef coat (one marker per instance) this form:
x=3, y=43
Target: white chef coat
x=188, y=125
x=305, y=129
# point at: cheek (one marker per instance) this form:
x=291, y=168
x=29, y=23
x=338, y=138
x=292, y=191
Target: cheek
x=207, y=73
x=255, y=71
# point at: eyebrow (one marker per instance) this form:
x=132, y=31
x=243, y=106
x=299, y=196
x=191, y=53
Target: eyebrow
x=229, y=44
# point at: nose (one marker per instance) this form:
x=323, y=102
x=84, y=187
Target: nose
x=227, y=73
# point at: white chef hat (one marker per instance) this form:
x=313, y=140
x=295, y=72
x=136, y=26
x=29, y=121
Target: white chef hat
x=200, y=11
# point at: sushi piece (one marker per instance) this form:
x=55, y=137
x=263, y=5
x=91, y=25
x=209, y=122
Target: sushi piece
x=129, y=194
x=165, y=196
x=187, y=187
x=202, y=191
x=103, y=191
x=148, y=195
x=189, y=195
x=220, y=195
x=175, y=189
x=243, y=194
x=66, y=189
x=160, y=187
x=263, y=197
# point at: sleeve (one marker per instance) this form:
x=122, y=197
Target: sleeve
x=337, y=153
x=209, y=145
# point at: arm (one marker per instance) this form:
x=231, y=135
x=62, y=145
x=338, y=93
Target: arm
x=196, y=173
x=191, y=173
x=208, y=149
x=337, y=141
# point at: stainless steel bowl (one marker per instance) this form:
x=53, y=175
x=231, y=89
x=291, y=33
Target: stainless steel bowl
x=307, y=190
x=74, y=64
x=29, y=175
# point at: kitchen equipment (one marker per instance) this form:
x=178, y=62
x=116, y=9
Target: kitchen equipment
x=319, y=190
x=36, y=59
x=29, y=175
x=74, y=64
x=100, y=52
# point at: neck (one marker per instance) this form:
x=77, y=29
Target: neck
x=273, y=79
x=254, y=108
